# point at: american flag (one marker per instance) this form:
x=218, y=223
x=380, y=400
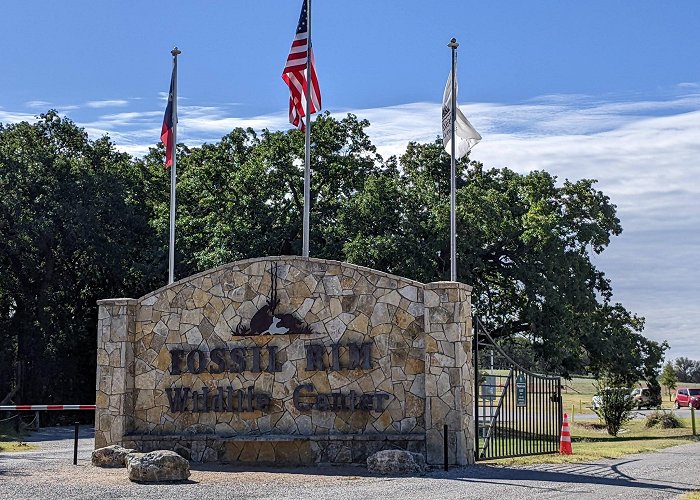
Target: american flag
x=294, y=74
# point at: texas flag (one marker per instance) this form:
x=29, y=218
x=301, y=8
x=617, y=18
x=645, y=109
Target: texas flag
x=169, y=121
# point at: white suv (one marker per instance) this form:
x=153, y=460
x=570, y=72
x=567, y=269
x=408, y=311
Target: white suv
x=597, y=400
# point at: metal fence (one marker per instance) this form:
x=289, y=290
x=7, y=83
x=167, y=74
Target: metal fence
x=518, y=412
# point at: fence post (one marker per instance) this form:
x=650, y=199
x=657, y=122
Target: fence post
x=692, y=419
x=446, y=451
x=75, y=444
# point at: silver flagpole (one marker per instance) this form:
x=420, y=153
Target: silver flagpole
x=453, y=183
x=173, y=173
x=307, y=152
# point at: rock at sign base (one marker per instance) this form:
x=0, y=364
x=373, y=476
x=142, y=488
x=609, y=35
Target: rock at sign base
x=395, y=461
x=157, y=466
x=110, y=456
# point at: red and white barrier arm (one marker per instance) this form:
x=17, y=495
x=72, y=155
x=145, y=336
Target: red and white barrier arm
x=46, y=407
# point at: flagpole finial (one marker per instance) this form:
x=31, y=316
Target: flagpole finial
x=175, y=52
x=453, y=44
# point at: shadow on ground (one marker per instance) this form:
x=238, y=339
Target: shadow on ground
x=581, y=473
x=535, y=477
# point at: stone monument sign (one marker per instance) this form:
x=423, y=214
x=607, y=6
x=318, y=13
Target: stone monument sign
x=288, y=360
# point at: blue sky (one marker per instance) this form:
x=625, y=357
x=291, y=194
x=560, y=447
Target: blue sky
x=599, y=89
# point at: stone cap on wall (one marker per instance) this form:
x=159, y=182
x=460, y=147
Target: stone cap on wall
x=273, y=258
x=118, y=302
x=125, y=301
x=448, y=284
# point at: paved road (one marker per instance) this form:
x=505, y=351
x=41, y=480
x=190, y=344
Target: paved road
x=49, y=473
x=54, y=447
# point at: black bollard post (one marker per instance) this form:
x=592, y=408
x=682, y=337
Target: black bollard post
x=446, y=451
x=75, y=444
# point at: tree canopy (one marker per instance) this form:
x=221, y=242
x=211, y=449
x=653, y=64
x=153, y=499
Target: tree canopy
x=669, y=379
x=80, y=221
x=72, y=232
x=686, y=370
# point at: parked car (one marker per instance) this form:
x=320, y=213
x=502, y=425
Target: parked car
x=597, y=400
x=642, y=398
x=687, y=397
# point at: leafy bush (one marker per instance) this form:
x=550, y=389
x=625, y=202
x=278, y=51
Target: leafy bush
x=663, y=419
x=615, y=409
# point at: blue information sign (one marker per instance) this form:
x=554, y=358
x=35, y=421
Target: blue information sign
x=521, y=390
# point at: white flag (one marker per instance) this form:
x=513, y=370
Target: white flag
x=467, y=136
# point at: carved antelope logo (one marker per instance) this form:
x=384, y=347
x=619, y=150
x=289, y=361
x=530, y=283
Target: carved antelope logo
x=267, y=322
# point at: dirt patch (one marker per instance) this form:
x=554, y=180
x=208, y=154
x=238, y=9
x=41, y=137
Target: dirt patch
x=593, y=426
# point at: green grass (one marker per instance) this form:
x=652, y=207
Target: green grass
x=592, y=442
x=578, y=392
x=694, y=495
x=10, y=446
x=576, y=395
x=11, y=440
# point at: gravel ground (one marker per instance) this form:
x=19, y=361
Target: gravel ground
x=48, y=472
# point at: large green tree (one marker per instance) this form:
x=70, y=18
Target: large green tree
x=687, y=370
x=243, y=196
x=80, y=221
x=525, y=240
x=524, y=243
x=72, y=231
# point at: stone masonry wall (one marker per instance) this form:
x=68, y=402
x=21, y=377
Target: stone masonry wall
x=115, y=381
x=375, y=361
x=449, y=372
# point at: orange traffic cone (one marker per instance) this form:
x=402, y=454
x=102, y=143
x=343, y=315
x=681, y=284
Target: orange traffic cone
x=565, y=441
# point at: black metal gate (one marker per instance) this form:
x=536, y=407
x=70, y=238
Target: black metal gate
x=517, y=412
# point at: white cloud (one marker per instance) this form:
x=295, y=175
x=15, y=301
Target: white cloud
x=109, y=103
x=43, y=106
x=132, y=120
x=199, y=120
x=14, y=117
x=38, y=104
x=648, y=166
